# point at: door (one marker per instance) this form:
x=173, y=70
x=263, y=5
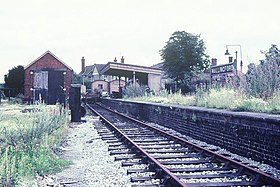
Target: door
x=55, y=87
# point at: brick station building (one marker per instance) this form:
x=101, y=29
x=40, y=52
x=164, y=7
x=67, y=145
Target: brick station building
x=48, y=79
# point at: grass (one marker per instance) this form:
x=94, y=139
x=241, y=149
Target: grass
x=27, y=136
x=221, y=98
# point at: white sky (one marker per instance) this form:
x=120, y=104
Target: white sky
x=101, y=30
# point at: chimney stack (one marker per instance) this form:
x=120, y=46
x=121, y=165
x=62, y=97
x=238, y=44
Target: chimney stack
x=122, y=60
x=83, y=64
x=230, y=59
x=115, y=60
x=214, y=62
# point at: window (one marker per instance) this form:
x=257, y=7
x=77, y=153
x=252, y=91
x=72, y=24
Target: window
x=100, y=86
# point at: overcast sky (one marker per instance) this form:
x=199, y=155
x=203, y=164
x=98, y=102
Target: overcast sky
x=101, y=30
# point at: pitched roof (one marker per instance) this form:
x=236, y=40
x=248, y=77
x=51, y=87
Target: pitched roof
x=99, y=67
x=48, y=52
x=87, y=71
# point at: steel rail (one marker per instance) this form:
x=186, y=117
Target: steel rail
x=260, y=176
x=170, y=178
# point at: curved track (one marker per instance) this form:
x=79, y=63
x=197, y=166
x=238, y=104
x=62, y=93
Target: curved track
x=169, y=160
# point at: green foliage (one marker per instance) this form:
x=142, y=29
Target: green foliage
x=15, y=79
x=183, y=56
x=274, y=102
x=251, y=104
x=77, y=79
x=263, y=81
x=258, y=91
x=18, y=99
x=222, y=98
x=134, y=91
x=26, y=140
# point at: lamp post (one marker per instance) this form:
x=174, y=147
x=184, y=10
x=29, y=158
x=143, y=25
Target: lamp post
x=227, y=53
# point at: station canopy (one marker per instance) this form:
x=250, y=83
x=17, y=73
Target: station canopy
x=126, y=70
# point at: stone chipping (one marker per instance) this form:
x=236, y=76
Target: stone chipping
x=92, y=165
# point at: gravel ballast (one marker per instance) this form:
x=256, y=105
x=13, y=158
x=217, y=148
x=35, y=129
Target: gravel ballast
x=92, y=164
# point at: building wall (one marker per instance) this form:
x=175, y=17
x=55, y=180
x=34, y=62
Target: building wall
x=154, y=82
x=105, y=85
x=47, y=61
x=114, y=85
x=255, y=136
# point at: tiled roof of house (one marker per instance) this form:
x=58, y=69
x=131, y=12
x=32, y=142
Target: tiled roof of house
x=99, y=67
x=88, y=70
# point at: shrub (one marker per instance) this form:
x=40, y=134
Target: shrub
x=274, y=102
x=134, y=91
x=217, y=98
x=263, y=80
x=26, y=141
x=222, y=98
x=251, y=104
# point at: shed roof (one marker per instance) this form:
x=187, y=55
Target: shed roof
x=48, y=52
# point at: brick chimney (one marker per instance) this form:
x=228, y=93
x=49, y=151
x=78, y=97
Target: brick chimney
x=83, y=64
x=214, y=62
x=230, y=59
x=122, y=60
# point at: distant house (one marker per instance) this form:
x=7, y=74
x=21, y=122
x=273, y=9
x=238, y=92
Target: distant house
x=48, y=79
x=113, y=76
x=91, y=73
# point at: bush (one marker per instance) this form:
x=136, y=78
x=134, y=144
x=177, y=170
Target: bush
x=251, y=104
x=217, y=98
x=134, y=91
x=263, y=81
x=274, y=103
x=222, y=98
x=26, y=140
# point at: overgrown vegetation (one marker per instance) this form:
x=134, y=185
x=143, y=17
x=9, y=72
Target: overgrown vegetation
x=135, y=91
x=222, y=98
x=27, y=136
x=263, y=80
x=257, y=91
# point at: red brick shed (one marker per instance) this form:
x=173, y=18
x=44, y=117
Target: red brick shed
x=48, y=79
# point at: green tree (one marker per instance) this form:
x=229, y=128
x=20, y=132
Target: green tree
x=79, y=79
x=15, y=79
x=184, y=56
x=263, y=80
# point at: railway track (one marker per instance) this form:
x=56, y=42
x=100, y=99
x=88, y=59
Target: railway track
x=155, y=158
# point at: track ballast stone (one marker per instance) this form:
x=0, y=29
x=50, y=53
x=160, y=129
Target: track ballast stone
x=92, y=164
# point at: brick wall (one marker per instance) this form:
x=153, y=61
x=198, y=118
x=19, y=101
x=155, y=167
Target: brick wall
x=255, y=136
x=46, y=61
